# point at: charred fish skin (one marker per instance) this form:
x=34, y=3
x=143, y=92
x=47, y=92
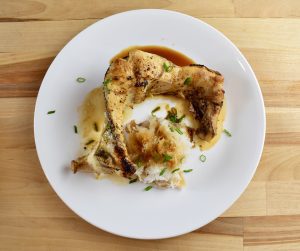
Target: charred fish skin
x=130, y=81
x=116, y=87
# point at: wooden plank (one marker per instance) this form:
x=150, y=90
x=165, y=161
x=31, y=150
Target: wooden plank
x=53, y=10
x=27, y=49
x=16, y=123
x=279, y=163
x=283, y=126
x=24, y=189
x=251, y=33
x=60, y=10
x=267, y=8
x=251, y=203
x=23, y=79
x=272, y=233
x=283, y=197
x=228, y=226
x=74, y=234
x=279, y=93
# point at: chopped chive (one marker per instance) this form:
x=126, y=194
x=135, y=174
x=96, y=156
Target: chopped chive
x=132, y=181
x=80, y=80
x=162, y=171
x=75, y=129
x=106, y=81
x=148, y=188
x=175, y=170
x=187, y=81
x=155, y=110
x=89, y=142
x=188, y=170
x=172, y=116
x=167, y=157
x=51, y=112
x=202, y=158
x=227, y=133
x=96, y=127
x=166, y=67
x=178, y=130
x=172, y=129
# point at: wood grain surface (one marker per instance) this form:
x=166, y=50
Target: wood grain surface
x=266, y=216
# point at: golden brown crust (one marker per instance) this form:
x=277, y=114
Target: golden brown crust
x=144, y=74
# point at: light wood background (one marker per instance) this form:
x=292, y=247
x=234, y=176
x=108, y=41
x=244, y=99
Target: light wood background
x=266, y=217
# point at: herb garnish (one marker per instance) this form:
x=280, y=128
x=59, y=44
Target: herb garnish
x=155, y=110
x=175, y=170
x=188, y=170
x=148, y=188
x=202, y=158
x=227, y=133
x=172, y=116
x=178, y=130
x=166, y=157
x=132, y=181
x=51, y=112
x=162, y=171
x=80, y=80
x=167, y=68
x=75, y=129
x=187, y=81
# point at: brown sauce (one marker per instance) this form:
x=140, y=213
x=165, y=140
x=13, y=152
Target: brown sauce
x=170, y=54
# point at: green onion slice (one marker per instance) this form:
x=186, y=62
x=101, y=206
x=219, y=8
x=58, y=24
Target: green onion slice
x=227, y=133
x=202, y=158
x=175, y=170
x=166, y=67
x=80, y=80
x=162, y=171
x=132, y=181
x=148, y=188
x=155, y=110
x=178, y=130
x=187, y=81
x=167, y=157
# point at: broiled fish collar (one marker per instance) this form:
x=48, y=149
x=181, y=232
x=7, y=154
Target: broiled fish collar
x=130, y=81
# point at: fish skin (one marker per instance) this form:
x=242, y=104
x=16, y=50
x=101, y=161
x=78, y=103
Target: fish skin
x=143, y=74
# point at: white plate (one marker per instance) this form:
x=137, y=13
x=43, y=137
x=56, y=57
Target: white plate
x=127, y=210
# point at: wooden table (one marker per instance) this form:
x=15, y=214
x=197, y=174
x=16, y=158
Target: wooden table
x=266, y=217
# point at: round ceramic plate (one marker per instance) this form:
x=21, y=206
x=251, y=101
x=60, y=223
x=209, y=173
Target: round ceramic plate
x=128, y=210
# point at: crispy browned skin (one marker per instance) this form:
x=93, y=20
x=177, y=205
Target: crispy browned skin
x=141, y=75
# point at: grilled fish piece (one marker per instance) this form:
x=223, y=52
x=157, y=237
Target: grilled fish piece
x=131, y=80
